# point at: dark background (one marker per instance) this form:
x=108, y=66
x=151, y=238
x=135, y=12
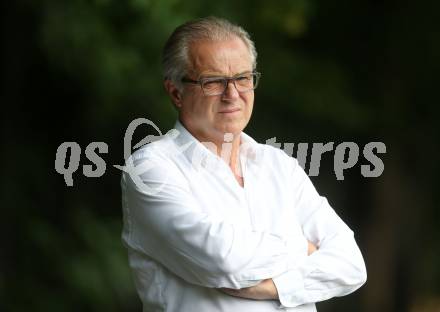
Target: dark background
x=333, y=71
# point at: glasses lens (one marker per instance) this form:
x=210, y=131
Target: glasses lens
x=245, y=82
x=213, y=86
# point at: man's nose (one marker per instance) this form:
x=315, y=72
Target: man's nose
x=231, y=92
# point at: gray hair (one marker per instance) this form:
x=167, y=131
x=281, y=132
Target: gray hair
x=175, y=56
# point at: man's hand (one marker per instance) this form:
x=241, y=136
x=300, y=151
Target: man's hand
x=265, y=290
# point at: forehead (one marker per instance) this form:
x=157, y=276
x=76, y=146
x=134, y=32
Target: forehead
x=226, y=58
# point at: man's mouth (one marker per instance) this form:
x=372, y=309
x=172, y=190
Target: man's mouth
x=229, y=110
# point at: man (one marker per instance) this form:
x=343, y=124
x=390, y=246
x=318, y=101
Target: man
x=220, y=222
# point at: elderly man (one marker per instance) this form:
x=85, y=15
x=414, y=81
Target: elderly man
x=225, y=223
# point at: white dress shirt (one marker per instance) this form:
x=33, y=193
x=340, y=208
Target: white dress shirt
x=190, y=228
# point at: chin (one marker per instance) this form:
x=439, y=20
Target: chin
x=232, y=127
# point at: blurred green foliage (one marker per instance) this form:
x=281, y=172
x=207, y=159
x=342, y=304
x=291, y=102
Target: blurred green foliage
x=332, y=71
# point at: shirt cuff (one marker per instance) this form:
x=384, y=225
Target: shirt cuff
x=290, y=284
x=290, y=287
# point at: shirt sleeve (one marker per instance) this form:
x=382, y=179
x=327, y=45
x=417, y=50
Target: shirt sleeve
x=165, y=222
x=336, y=268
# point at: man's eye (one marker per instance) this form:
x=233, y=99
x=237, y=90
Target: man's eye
x=213, y=83
x=244, y=81
x=243, y=78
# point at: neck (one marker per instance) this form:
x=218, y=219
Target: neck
x=229, y=149
x=225, y=145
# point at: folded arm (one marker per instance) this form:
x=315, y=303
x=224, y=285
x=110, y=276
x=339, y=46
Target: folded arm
x=337, y=268
x=334, y=267
x=171, y=228
x=265, y=290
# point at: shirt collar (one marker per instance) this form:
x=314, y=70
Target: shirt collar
x=198, y=154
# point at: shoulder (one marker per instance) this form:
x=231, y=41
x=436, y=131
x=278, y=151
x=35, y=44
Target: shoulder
x=161, y=149
x=151, y=165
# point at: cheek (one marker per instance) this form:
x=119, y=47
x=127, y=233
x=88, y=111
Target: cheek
x=203, y=110
x=249, y=102
x=194, y=105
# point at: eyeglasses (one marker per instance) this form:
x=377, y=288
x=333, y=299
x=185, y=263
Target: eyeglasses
x=217, y=85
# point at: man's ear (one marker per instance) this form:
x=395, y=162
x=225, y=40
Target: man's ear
x=173, y=92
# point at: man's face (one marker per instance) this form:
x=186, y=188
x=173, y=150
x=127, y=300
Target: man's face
x=208, y=118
